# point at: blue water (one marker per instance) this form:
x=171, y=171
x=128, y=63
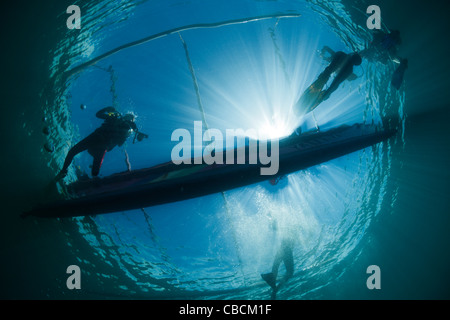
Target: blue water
x=344, y=215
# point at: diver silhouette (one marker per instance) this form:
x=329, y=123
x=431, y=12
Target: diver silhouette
x=113, y=132
x=342, y=65
x=284, y=254
x=384, y=47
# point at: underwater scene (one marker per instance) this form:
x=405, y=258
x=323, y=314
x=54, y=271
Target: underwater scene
x=225, y=150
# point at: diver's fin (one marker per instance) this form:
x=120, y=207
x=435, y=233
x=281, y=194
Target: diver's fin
x=309, y=100
x=397, y=77
x=270, y=279
x=327, y=51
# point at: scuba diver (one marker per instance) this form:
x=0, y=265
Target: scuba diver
x=114, y=131
x=284, y=255
x=342, y=65
x=384, y=48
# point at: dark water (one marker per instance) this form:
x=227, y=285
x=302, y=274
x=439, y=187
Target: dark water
x=386, y=206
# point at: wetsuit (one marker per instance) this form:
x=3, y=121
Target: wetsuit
x=285, y=255
x=113, y=132
x=342, y=64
